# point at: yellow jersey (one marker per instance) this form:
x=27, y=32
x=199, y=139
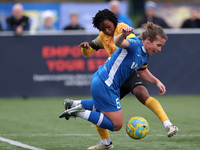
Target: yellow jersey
x=106, y=42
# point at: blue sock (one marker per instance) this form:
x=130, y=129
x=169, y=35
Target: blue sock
x=97, y=118
x=88, y=104
x=101, y=120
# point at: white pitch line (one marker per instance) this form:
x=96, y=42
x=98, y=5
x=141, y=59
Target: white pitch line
x=19, y=144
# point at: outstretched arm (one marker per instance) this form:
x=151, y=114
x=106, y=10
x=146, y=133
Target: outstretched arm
x=120, y=39
x=147, y=76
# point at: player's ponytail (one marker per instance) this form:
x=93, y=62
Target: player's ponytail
x=151, y=31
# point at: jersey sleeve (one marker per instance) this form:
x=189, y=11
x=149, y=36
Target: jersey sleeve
x=133, y=45
x=143, y=67
x=130, y=36
x=120, y=27
x=87, y=52
x=96, y=44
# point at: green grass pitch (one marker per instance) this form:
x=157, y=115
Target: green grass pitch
x=35, y=122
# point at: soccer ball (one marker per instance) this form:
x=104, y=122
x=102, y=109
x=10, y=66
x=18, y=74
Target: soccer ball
x=137, y=127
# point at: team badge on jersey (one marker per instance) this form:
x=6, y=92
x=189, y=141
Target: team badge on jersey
x=132, y=41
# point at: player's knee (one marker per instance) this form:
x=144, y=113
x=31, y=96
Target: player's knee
x=141, y=93
x=118, y=123
x=118, y=126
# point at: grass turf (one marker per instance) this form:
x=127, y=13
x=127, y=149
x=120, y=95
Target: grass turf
x=35, y=122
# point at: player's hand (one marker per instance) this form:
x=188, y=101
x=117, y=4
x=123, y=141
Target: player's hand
x=161, y=87
x=127, y=30
x=84, y=45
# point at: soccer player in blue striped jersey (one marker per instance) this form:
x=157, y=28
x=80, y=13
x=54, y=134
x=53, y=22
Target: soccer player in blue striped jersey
x=123, y=63
x=106, y=82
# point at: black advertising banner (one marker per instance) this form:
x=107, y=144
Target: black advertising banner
x=53, y=65
x=47, y=65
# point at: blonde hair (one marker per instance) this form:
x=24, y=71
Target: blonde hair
x=151, y=31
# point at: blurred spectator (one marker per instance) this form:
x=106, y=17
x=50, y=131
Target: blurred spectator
x=115, y=8
x=18, y=22
x=150, y=16
x=193, y=21
x=74, y=22
x=47, y=21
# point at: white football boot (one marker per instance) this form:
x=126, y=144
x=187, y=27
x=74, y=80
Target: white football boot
x=171, y=130
x=101, y=146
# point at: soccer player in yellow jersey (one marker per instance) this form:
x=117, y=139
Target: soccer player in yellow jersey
x=106, y=22
x=105, y=41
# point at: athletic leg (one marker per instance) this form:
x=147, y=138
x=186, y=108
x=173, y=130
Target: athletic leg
x=105, y=142
x=107, y=120
x=142, y=94
x=139, y=88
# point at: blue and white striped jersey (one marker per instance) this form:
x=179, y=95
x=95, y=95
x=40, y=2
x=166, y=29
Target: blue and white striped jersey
x=123, y=63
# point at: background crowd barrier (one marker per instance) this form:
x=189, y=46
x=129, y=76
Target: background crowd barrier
x=53, y=65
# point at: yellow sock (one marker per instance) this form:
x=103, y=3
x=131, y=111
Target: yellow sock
x=155, y=106
x=103, y=132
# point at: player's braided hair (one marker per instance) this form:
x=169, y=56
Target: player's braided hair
x=151, y=31
x=103, y=15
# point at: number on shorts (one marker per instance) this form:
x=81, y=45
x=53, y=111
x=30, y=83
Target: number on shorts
x=118, y=103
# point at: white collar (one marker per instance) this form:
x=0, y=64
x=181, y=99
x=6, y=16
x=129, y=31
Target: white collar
x=143, y=49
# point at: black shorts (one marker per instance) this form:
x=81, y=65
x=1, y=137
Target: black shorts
x=130, y=84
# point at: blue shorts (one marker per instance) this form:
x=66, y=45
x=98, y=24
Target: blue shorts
x=104, y=98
